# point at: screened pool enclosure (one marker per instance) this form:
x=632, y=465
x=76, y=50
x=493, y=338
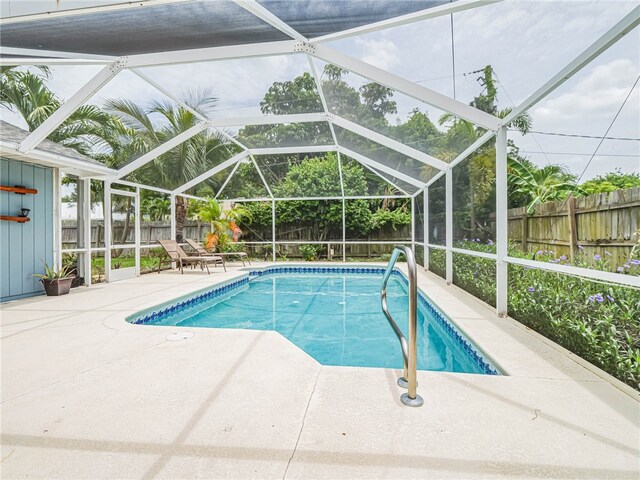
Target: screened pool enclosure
x=166, y=46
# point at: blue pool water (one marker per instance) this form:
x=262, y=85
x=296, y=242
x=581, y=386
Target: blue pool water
x=333, y=315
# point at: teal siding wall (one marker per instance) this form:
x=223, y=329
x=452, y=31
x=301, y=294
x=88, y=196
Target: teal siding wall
x=25, y=246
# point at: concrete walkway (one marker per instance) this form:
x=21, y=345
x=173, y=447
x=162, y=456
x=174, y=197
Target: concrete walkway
x=87, y=395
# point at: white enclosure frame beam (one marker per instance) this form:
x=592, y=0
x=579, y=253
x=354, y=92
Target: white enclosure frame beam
x=57, y=218
x=323, y=99
x=227, y=180
x=107, y=231
x=463, y=156
x=619, y=30
x=310, y=199
x=265, y=15
x=179, y=102
x=502, y=227
x=268, y=119
x=425, y=226
x=449, y=226
x=163, y=148
x=137, y=229
x=218, y=168
x=434, y=12
x=473, y=148
x=587, y=273
x=389, y=143
x=16, y=61
x=413, y=201
x=386, y=180
x=68, y=107
x=273, y=230
x=86, y=227
x=211, y=54
x=172, y=198
x=292, y=150
x=43, y=55
x=379, y=166
x=153, y=189
x=405, y=86
x=264, y=180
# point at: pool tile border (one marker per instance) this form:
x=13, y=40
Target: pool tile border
x=478, y=357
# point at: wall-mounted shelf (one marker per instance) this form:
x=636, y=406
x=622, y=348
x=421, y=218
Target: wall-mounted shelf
x=18, y=190
x=15, y=219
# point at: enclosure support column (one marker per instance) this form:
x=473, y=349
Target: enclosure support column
x=173, y=217
x=173, y=223
x=344, y=231
x=57, y=219
x=501, y=222
x=425, y=226
x=136, y=228
x=273, y=230
x=86, y=228
x=449, y=225
x=413, y=224
x=107, y=231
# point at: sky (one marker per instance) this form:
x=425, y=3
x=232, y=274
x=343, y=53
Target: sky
x=526, y=42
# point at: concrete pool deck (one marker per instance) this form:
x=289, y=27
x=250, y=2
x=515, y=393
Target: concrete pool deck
x=87, y=395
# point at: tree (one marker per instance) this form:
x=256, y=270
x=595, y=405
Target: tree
x=611, y=182
x=475, y=178
x=319, y=176
x=377, y=99
x=182, y=163
x=223, y=223
x=540, y=185
x=158, y=208
x=26, y=93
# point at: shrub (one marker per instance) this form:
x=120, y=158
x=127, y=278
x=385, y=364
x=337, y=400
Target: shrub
x=309, y=252
x=596, y=321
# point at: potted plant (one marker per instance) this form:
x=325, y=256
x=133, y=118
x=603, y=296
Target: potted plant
x=55, y=282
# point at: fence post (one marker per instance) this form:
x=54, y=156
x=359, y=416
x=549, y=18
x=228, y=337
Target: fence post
x=573, y=231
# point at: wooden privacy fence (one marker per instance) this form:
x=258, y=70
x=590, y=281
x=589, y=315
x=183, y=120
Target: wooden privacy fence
x=605, y=224
x=150, y=232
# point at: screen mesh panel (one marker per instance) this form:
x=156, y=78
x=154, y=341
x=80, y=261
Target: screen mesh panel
x=313, y=18
x=156, y=28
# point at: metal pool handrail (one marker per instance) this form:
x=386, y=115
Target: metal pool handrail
x=410, y=348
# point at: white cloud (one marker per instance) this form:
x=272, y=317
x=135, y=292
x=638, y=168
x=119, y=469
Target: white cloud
x=598, y=96
x=382, y=53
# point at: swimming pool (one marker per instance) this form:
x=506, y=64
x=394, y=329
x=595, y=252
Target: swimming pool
x=331, y=313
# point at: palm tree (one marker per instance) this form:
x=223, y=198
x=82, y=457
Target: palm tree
x=157, y=208
x=223, y=223
x=462, y=133
x=27, y=94
x=540, y=185
x=158, y=122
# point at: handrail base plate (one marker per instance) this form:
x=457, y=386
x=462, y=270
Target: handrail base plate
x=403, y=383
x=411, y=402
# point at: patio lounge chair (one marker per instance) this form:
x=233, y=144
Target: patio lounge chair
x=202, y=251
x=179, y=256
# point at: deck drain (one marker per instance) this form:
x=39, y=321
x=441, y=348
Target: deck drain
x=177, y=336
